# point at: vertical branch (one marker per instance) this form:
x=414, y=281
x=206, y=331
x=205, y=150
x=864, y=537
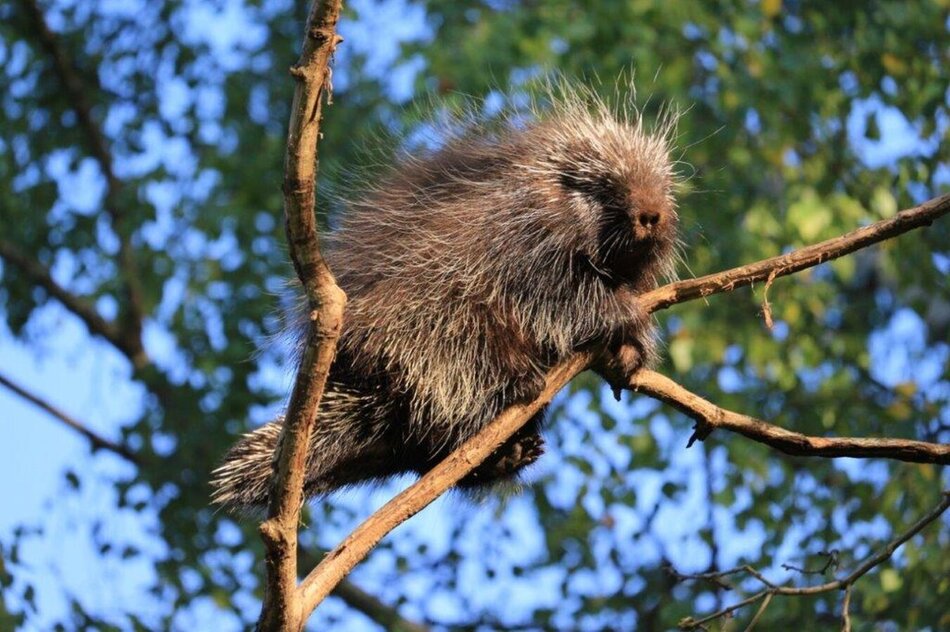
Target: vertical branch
x=281, y=609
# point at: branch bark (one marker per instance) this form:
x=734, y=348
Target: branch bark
x=97, y=441
x=357, y=545
x=797, y=260
x=708, y=417
x=281, y=609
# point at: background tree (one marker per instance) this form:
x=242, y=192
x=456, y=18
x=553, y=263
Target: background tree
x=140, y=158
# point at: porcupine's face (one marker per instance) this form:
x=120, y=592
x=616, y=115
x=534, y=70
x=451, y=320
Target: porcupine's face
x=624, y=201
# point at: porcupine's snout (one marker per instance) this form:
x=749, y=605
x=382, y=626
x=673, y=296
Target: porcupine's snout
x=652, y=220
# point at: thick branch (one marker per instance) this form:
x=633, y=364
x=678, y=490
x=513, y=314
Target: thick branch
x=797, y=260
x=130, y=346
x=97, y=441
x=281, y=609
x=708, y=417
x=78, y=98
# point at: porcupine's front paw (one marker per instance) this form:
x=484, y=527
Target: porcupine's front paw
x=618, y=364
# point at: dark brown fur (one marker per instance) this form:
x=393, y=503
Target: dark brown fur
x=470, y=271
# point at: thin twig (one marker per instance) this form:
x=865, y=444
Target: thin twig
x=708, y=417
x=716, y=576
x=759, y=613
x=97, y=441
x=830, y=563
x=844, y=583
x=846, y=609
x=691, y=624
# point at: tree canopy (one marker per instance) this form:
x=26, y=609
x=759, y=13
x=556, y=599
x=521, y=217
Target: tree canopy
x=141, y=161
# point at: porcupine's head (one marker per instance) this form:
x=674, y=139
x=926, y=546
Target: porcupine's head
x=615, y=178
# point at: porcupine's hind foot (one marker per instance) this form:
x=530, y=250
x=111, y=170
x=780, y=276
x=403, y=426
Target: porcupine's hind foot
x=520, y=451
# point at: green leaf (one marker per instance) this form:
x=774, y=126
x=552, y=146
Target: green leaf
x=890, y=580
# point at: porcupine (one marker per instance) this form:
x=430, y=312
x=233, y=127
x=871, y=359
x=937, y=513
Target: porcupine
x=470, y=271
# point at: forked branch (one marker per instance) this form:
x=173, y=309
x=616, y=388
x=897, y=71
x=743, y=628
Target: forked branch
x=358, y=544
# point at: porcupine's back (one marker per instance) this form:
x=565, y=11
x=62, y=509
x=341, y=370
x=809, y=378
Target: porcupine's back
x=470, y=270
x=461, y=265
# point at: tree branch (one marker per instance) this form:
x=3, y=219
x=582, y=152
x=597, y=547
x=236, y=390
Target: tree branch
x=97, y=441
x=357, y=545
x=416, y=497
x=129, y=346
x=282, y=609
x=845, y=583
x=708, y=417
x=797, y=260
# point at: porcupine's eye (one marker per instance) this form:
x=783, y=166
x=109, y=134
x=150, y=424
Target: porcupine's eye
x=601, y=192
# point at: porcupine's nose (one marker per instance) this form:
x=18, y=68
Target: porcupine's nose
x=648, y=218
x=647, y=223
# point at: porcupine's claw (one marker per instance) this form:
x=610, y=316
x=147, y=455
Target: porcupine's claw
x=619, y=364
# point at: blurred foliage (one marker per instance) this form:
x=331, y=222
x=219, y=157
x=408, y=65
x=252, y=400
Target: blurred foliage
x=801, y=121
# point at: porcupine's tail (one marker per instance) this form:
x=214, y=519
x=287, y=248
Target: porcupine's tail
x=343, y=447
